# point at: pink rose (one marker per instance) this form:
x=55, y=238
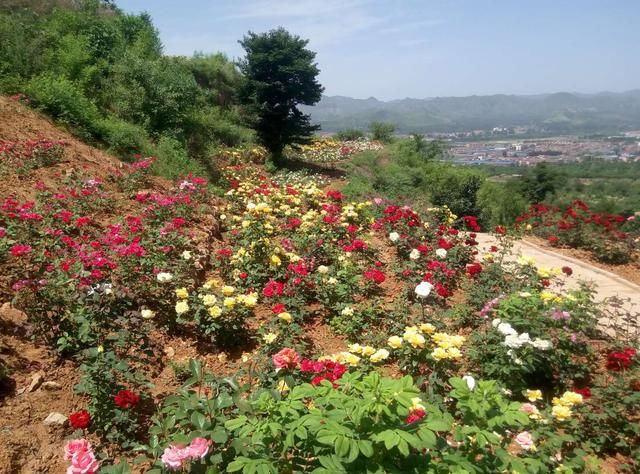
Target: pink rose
x=75, y=445
x=174, y=457
x=525, y=441
x=83, y=462
x=198, y=448
x=529, y=408
x=286, y=359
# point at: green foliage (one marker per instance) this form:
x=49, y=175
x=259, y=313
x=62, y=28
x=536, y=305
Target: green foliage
x=499, y=204
x=382, y=131
x=102, y=72
x=173, y=160
x=542, y=182
x=349, y=134
x=123, y=138
x=64, y=100
x=280, y=74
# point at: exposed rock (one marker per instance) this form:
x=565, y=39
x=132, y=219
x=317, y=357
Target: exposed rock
x=55, y=418
x=36, y=381
x=51, y=385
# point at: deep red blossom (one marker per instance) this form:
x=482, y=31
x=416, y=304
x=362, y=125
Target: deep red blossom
x=374, y=275
x=585, y=392
x=415, y=415
x=273, y=288
x=620, y=360
x=126, y=399
x=500, y=230
x=18, y=250
x=80, y=420
x=567, y=271
x=474, y=269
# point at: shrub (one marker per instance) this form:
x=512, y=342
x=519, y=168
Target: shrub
x=349, y=134
x=173, y=160
x=123, y=138
x=64, y=100
x=382, y=131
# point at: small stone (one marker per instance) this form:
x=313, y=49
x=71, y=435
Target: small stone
x=55, y=418
x=50, y=385
x=36, y=381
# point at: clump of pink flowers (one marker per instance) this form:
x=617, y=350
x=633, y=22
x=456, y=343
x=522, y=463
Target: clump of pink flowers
x=175, y=456
x=80, y=453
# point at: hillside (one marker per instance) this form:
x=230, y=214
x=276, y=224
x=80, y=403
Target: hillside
x=553, y=113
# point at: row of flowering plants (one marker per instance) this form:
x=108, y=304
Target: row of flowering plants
x=329, y=150
x=24, y=156
x=611, y=238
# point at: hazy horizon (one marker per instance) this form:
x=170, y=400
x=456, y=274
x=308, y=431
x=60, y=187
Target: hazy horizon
x=423, y=49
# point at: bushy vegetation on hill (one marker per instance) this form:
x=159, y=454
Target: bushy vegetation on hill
x=411, y=170
x=102, y=72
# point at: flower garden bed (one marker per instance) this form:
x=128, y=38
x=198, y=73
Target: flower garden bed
x=610, y=238
x=310, y=334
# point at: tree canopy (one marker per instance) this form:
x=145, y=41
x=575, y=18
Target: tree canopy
x=279, y=74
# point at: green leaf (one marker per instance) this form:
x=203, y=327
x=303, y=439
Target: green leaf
x=196, y=368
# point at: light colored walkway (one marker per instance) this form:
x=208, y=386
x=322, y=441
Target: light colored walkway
x=620, y=318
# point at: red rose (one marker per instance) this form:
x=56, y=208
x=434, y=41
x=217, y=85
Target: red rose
x=126, y=399
x=501, y=230
x=567, y=271
x=585, y=392
x=374, y=275
x=617, y=361
x=80, y=419
x=415, y=415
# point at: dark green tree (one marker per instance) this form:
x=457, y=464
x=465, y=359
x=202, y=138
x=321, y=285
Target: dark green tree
x=540, y=183
x=279, y=74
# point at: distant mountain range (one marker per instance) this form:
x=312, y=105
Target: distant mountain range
x=561, y=112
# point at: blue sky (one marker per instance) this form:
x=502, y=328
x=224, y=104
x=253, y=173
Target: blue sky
x=392, y=49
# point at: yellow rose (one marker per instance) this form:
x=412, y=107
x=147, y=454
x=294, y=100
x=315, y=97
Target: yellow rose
x=561, y=412
x=379, y=355
x=209, y=300
x=395, y=342
x=182, y=307
x=285, y=316
x=416, y=340
x=229, y=302
x=269, y=337
x=427, y=328
x=182, y=293
x=228, y=290
x=368, y=350
x=215, y=311
x=439, y=353
x=534, y=395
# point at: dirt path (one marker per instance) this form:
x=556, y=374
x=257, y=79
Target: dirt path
x=620, y=318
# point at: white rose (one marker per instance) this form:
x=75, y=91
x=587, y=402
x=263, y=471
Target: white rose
x=394, y=236
x=415, y=254
x=186, y=255
x=441, y=253
x=471, y=382
x=147, y=314
x=323, y=269
x=423, y=289
x=541, y=344
x=164, y=277
x=507, y=330
x=513, y=341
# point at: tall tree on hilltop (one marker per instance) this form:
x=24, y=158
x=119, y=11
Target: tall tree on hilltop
x=279, y=74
